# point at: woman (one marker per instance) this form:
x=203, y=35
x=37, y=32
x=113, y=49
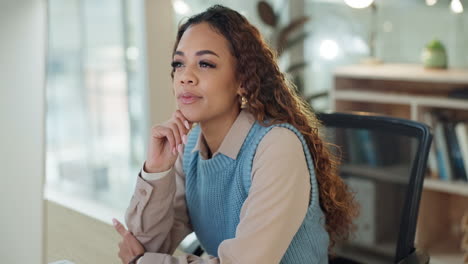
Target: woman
x=253, y=179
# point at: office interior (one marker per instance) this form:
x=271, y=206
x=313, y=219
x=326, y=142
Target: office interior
x=82, y=83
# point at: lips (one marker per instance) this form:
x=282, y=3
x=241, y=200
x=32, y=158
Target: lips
x=188, y=98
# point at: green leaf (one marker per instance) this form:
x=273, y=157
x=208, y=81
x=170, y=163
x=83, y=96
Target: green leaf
x=316, y=96
x=298, y=39
x=435, y=45
x=267, y=14
x=285, y=32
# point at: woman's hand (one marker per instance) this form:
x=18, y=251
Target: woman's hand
x=166, y=143
x=129, y=247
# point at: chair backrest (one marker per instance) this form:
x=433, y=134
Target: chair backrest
x=383, y=160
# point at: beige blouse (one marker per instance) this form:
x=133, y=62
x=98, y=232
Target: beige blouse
x=270, y=216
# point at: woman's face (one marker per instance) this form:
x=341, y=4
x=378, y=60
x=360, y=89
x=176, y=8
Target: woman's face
x=204, y=75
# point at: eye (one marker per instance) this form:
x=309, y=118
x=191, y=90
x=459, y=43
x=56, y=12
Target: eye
x=176, y=64
x=205, y=64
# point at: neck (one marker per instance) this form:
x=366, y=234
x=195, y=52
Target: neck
x=214, y=130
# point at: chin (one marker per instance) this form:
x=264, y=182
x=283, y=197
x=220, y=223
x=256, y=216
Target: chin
x=191, y=114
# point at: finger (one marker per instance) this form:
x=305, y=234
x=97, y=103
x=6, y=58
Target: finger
x=119, y=227
x=185, y=124
x=135, y=247
x=177, y=117
x=177, y=136
x=167, y=133
x=131, y=246
x=157, y=130
x=132, y=243
x=185, y=121
x=182, y=129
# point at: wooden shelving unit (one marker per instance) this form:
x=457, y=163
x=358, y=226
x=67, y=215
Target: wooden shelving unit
x=409, y=91
x=453, y=187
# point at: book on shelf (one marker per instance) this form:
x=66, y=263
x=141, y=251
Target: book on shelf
x=448, y=157
x=442, y=153
x=429, y=119
x=373, y=148
x=456, y=160
x=367, y=147
x=461, y=131
x=353, y=148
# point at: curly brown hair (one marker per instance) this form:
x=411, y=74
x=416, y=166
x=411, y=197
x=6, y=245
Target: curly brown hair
x=273, y=99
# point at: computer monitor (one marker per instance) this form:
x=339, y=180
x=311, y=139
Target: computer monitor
x=22, y=130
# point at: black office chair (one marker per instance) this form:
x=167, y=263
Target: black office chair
x=383, y=160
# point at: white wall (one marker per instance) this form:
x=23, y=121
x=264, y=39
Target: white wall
x=160, y=37
x=22, y=109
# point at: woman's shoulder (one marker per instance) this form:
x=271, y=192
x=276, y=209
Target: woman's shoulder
x=280, y=139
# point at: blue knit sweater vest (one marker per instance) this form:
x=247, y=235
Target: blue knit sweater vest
x=217, y=188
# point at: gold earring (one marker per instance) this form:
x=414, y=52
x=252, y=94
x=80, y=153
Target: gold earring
x=243, y=102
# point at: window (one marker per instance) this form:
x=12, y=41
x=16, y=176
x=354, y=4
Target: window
x=95, y=106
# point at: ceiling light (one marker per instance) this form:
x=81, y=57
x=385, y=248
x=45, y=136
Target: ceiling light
x=359, y=3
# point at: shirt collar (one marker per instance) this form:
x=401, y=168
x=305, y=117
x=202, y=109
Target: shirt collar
x=233, y=140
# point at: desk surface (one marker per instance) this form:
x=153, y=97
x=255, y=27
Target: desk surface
x=81, y=239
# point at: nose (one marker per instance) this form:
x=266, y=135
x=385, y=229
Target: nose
x=188, y=77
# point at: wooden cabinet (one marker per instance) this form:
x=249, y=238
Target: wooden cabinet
x=410, y=91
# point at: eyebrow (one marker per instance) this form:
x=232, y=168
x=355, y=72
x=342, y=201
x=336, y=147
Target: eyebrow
x=199, y=53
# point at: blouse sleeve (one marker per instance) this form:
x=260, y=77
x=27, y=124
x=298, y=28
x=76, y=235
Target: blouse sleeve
x=157, y=215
